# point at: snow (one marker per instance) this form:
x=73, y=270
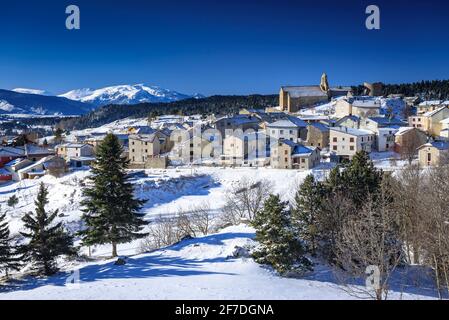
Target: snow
x=125, y=94
x=198, y=269
x=32, y=91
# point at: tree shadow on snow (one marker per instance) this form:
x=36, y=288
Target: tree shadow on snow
x=414, y=280
x=138, y=267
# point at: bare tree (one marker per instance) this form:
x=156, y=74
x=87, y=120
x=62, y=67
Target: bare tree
x=163, y=232
x=245, y=200
x=408, y=190
x=195, y=221
x=369, y=242
x=435, y=226
x=409, y=148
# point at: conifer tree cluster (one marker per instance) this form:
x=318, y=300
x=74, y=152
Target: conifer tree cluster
x=47, y=240
x=314, y=222
x=111, y=212
x=279, y=245
x=8, y=257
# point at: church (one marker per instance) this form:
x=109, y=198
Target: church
x=295, y=98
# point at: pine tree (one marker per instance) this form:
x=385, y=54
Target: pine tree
x=111, y=213
x=47, y=240
x=13, y=201
x=279, y=247
x=58, y=135
x=8, y=257
x=305, y=210
x=359, y=179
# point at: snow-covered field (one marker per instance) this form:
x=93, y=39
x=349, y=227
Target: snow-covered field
x=200, y=268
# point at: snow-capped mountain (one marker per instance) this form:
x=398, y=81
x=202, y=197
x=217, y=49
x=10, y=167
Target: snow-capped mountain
x=14, y=102
x=32, y=91
x=126, y=94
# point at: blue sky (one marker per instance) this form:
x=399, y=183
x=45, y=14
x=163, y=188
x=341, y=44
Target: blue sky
x=220, y=47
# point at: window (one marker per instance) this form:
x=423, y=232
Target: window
x=281, y=131
x=286, y=152
x=303, y=160
x=334, y=139
x=429, y=157
x=286, y=159
x=351, y=139
x=146, y=150
x=351, y=148
x=387, y=146
x=334, y=148
x=291, y=131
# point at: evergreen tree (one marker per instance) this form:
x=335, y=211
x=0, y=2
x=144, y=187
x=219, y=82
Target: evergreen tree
x=306, y=208
x=360, y=178
x=47, y=240
x=279, y=247
x=58, y=135
x=111, y=213
x=8, y=257
x=13, y=201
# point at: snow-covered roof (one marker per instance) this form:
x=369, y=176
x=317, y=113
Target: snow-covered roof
x=434, y=112
x=387, y=121
x=73, y=145
x=352, y=131
x=31, y=149
x=320, y=126
x=239, y=119
x=15, y=162
x=144, y=137
x=440, y=145
x=297, y=148
x=366, y=103
x=291, y=122
x=403, y=130
x=4, y=172
x=430, y=103
x=11, y=151
x=304, y=91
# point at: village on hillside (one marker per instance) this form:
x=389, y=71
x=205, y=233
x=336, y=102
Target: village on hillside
x=312, y=125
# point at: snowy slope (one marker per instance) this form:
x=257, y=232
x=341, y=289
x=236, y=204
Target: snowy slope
x=32, y=91
x=126, y=94
x=199, y=268
x=12, y=102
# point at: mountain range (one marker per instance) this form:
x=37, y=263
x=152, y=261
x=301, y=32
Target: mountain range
x=81, y=101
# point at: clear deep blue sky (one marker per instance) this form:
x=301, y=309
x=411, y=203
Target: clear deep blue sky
x=220, y=47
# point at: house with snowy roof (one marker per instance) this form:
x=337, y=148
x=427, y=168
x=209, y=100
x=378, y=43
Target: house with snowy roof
x=346, y=142
x=295, y=98
x=317, y=135
x=385, y=128
x=429, y=106
x=292, y=155
x=430, y=122
x=433, y=153
x=291, y=128
x=408, y=139
x=228, y=124
x=250, y=149
x=7, y=154
x=357, y=106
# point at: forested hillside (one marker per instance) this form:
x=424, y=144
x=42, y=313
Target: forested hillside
x=212, y=105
